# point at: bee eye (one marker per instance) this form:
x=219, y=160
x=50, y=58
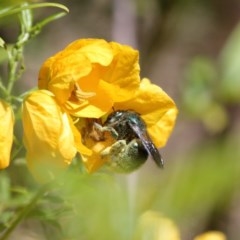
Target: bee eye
x=113, y=117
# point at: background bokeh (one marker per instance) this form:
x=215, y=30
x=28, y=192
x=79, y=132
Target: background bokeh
x=191, y=48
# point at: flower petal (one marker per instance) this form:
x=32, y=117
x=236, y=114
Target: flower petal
x=96, y=50
x=97, y=70
x=6, y=133
x=60, y=72
x=123, y=73
x=48, y=135
x=156, y=108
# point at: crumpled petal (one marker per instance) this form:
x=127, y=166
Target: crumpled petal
x=156, y=108
x=88, y=73
x=122, y=77
x=6, y=133
x=48, y=135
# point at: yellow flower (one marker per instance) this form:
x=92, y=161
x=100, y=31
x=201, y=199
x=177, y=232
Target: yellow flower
x=211, y=235
x=157, y=110
x=50, y=136
x=87, y=80
x=88, y=73
x=152, y=225
x=6, y=133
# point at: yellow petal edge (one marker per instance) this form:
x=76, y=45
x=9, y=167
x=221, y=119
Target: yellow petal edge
x=6, y=133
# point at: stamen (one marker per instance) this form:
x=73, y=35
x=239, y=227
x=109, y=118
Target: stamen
x=80, y=94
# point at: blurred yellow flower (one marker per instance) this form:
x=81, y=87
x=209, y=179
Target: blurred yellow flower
x=211, y=235
x=6, y=133
x=152, y=225
x=50, y=136
x=89, y=75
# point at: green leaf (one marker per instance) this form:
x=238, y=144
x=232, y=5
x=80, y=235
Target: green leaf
x=230, y=68
x=199, y=87
x=2, y=42
x=17, y=9
x=4, y=187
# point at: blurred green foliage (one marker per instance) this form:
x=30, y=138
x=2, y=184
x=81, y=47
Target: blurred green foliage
x=229, y=62
x=196, y=189
x=211, y=86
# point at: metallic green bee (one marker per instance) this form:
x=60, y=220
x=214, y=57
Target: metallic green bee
x=133, y=144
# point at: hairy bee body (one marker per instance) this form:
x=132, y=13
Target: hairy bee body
x=123, y=158
x=133, y=144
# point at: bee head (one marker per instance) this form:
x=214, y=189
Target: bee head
x=114, y=117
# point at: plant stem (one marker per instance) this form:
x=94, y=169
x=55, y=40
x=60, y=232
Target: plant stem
x=23, y=213
x=13, y=55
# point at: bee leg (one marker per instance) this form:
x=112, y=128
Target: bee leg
x=122, y=157
x=100, y=128
x=114, y=155
x=115, y=149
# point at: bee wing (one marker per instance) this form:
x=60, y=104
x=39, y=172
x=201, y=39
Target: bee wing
x=148, y=144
